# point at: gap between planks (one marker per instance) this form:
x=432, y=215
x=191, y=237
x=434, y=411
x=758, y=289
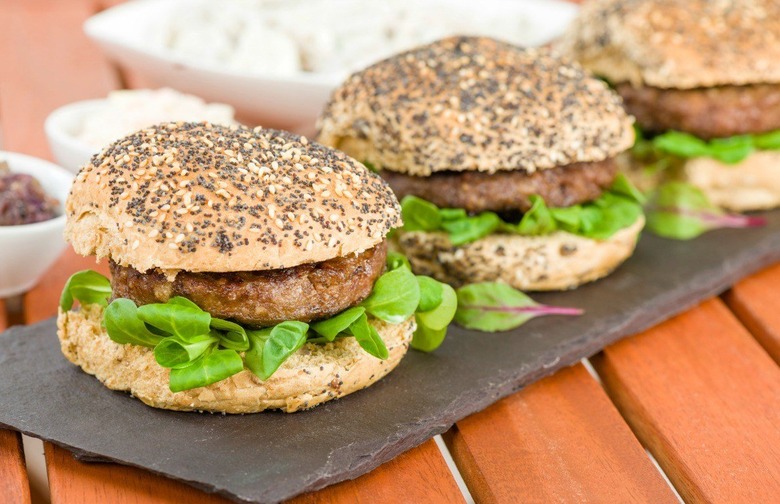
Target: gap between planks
x=756, y=303
x=703, y=396
x=559, y=439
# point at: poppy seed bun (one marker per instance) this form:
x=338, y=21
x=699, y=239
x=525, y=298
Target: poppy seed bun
x=201, y=197
x=678, y=43
x=315, y=374
x=468, y=103
x=557, y=261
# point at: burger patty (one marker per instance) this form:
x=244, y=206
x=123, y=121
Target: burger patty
x=262, y=298
x=707, y=113
x=508, y=191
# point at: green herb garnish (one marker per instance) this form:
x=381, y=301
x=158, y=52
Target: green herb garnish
x=201, y=350
x=88, y=287
x=493, y=307
x=682, y=211
x=676, y=144
x=616, y=209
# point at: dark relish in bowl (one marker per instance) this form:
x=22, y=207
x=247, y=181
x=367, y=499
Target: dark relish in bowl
x=23, y=200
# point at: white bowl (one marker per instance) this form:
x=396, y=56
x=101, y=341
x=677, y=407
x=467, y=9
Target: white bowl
x=62, y=127
x=284, y=102
x=28, y=251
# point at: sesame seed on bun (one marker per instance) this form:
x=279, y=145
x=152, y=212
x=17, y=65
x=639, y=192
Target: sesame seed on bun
x=475, y=104
x=680, y=44
x=202, y=197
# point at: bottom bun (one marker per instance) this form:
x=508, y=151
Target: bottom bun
x=315, y=374
x=557, y=261
x=752, y=184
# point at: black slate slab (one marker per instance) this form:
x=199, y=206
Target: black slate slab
x=272, y=456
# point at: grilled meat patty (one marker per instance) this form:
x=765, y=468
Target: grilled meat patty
x=262, y=298
x=707, y=113
x=508, y=191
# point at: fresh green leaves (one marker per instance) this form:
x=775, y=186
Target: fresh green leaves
x=438, y=304
x=232, y=335
x=332, y=327
x=368, y=338
x=616, y=209
x=395, y=296
x=176, y=318
x=87, y=287
x=200, y=349
x=174, y=352
x=420, y=215
x=213, y=367
x=681, y=211
x=125, y=327
x=495, y=307
x=729, y=150
x=270, y=347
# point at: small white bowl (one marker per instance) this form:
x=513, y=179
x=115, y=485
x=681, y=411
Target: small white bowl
x=62, y=127
x=28, y=251
x=291, y=102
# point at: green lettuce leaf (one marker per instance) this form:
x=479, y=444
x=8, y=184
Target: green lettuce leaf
x=730, y=150
x=681, y=211
x=616, y=209
x=493, y=307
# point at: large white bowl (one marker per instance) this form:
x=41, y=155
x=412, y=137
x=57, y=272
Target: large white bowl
x=62, y=127
x=27, y=251
x=285, y=102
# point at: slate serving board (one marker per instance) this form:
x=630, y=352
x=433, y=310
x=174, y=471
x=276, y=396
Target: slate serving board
x=269, y=457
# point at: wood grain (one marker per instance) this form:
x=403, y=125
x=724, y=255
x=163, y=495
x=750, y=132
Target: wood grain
x=419, y=475
x=416, y=476
x=73, y=482
x=14, y=484
x=558, y=440
x=704, y=397
x=756, y=302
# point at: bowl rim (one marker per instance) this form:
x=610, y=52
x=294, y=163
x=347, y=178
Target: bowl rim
x=94, y=27
x=38, y=164
x=55, y=130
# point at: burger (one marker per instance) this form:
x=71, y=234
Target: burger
x=249, y=270
x=702, y=79
x=504, y=158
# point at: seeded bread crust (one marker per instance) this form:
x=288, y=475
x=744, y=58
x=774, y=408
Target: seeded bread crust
x=471, y=103
x=313, y=375
x=753, y=184
x=680, y=44
x=201, y=197
x=558, y=261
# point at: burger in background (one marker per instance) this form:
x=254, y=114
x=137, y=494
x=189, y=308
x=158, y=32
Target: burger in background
x=504, y=158
x=702, y=79
x=249, y=271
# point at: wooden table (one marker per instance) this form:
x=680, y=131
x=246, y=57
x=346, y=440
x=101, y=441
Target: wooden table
x=700, y=393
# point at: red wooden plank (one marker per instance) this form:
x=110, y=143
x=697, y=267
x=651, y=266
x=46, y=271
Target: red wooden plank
x=756, y=302
x=14, y=484
x=419, y=475
x=704, y=397
x=558, y=440
x=74, y=482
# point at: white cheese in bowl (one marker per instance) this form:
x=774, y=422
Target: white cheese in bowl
x=287, y=37
x=124, y=112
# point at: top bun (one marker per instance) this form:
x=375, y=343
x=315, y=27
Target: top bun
x=468, y=103
x=201, y=197
x=680, y=44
